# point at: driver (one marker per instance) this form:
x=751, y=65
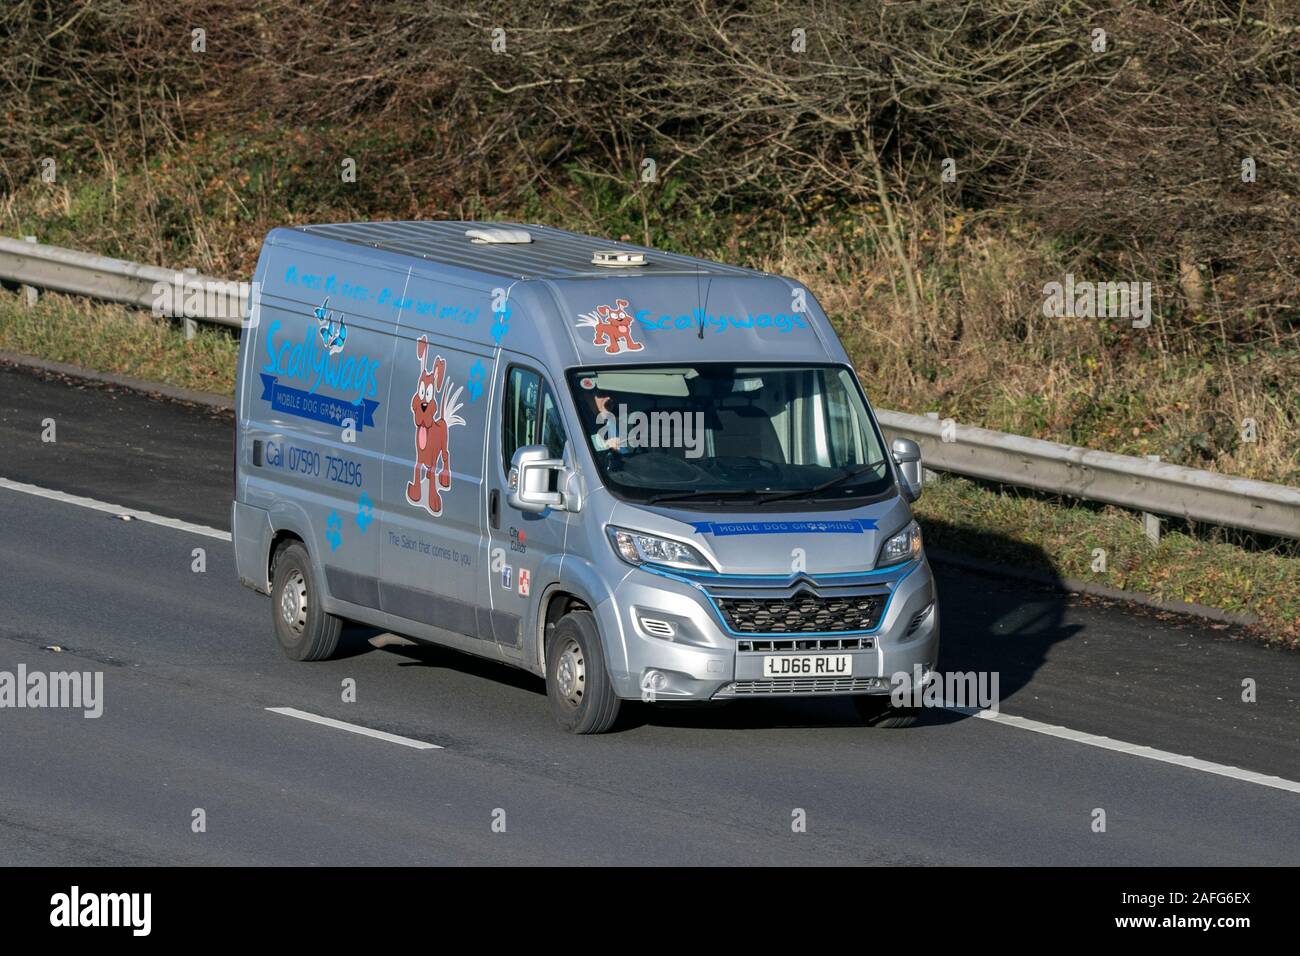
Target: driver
x=606, y=437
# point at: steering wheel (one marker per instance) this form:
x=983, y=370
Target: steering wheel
x=664, y=468
x=743, y=467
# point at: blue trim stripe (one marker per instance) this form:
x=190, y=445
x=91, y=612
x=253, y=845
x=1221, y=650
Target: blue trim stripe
x=721, y=529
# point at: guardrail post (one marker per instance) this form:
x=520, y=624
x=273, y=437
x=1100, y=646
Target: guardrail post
x=191, y=327
x=1150, y=522
x=928, y=476
x=30, y=293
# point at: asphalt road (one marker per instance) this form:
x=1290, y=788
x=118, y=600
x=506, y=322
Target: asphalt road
x=190, y=667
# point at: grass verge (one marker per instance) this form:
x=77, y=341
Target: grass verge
x=113, y=338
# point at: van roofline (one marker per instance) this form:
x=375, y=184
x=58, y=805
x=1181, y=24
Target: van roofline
x=431, y=277
x=551, y=253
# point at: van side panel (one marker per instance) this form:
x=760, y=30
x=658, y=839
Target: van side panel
x=432, y=559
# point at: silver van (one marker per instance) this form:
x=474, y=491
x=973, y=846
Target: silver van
x=636, y=474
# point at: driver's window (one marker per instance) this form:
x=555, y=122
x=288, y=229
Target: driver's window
x=531, y=416
x=552, y=429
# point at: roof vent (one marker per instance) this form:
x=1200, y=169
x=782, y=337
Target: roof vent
x=508, y=237
x=618, y=258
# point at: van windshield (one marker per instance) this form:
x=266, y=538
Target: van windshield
x=740, y=434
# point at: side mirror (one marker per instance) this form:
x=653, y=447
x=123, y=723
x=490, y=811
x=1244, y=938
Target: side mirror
x=907, y=454
x=530, y=481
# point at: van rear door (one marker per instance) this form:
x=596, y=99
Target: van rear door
x=313, y=409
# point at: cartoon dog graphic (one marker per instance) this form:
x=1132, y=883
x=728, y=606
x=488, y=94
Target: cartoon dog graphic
x=433, y=407
x=612, y=327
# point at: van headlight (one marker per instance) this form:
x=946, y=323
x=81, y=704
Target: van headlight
x=904, y=546
x=637, y=547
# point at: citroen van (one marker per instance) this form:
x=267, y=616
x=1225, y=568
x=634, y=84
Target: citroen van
x=636, y=474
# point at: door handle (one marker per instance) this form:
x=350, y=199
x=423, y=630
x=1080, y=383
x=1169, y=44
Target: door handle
x=494, y=509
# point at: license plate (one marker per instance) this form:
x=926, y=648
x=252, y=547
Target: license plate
x=808, y=665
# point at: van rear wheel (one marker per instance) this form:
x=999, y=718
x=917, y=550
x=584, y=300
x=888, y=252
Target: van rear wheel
x=578, y=685
x=303, y=628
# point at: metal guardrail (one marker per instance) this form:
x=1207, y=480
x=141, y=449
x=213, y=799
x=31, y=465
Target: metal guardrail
x=164, y=291
x=1137, y=483
x=1142, y=485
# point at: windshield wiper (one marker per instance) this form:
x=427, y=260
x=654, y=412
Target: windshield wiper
x=703, y=493
x=825, y=485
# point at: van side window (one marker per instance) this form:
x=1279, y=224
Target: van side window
x=532, y=416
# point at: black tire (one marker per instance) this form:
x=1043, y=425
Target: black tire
x=304, y=630
x=876, y=710
x=578, y=685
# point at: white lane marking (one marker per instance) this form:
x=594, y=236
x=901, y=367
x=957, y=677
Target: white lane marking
x=1024, y=723
x=115, y=510
x=353, y=728
x=1135, y=750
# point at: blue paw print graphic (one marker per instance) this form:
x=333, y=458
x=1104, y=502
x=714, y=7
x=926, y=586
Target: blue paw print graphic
x=333, y=328
x=475, y=381
x=502, y=323
x=365, y=512
x=334, y=530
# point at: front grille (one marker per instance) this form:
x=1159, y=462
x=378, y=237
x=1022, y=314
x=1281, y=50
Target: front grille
x=804, y=686
x=769, y=644
x=804, y=613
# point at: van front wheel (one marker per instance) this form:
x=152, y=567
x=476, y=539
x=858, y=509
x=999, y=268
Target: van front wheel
x=577, y=683
x=877, y=710
x=304, y=630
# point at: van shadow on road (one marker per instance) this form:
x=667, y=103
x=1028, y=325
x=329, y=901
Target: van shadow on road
x=989, y=624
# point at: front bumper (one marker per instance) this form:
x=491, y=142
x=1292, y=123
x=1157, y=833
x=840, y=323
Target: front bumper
x=676, y=645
